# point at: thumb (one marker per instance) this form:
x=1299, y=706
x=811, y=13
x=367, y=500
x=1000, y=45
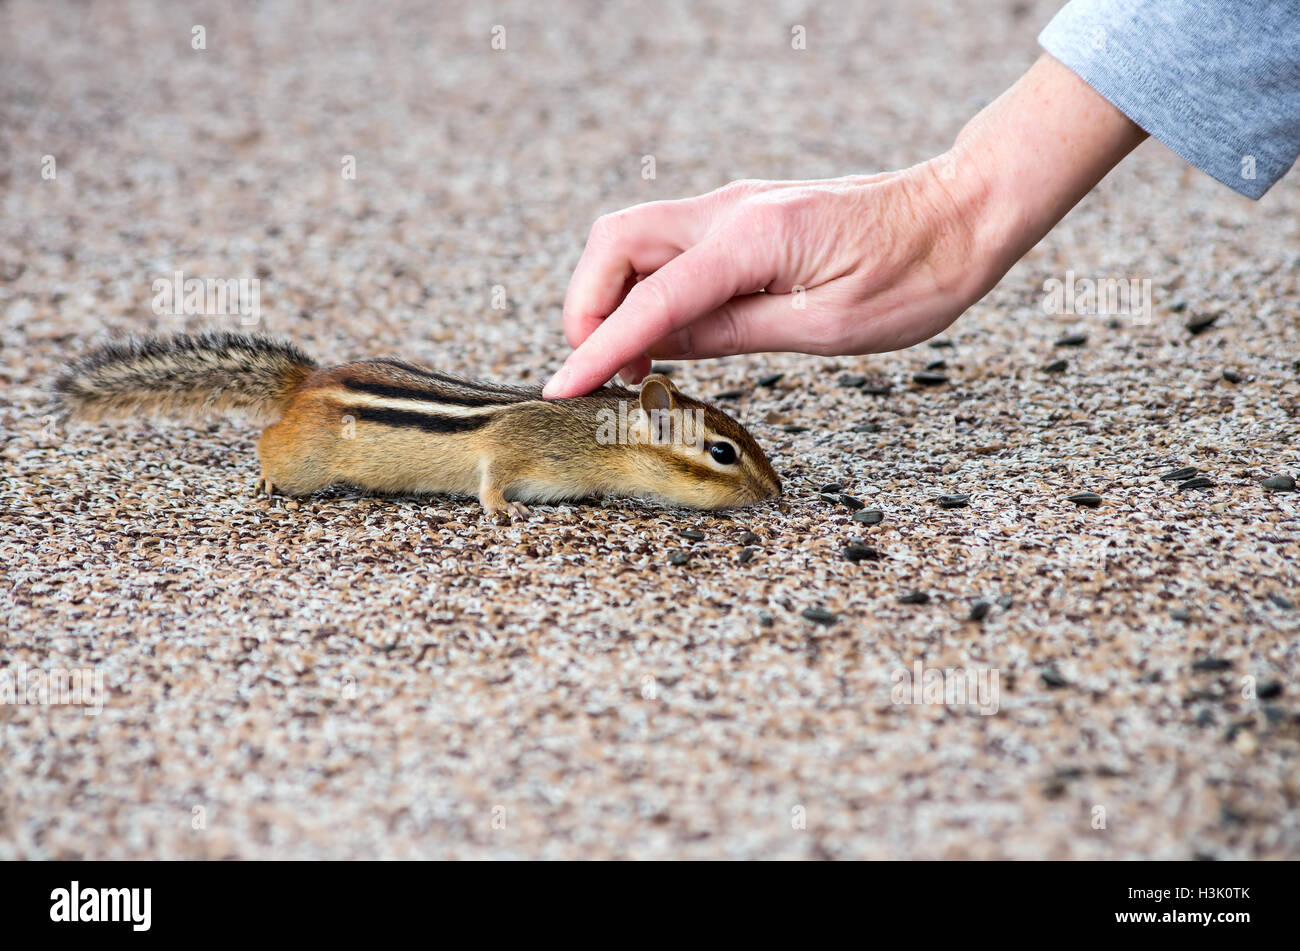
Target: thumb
x=753, y=323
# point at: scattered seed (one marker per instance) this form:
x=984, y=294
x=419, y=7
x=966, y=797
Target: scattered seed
x=1232, y=376
x=1180, y=614
x=1212, y=664
x=928, y=378
x=865, y=428
x=941, y=344
x=746, y=554
x=1006, y=601
x=1282, y=601
x=1072, y=340
x=852, y=381
x=1269, y=689
x=1200, y=324
x=849, y=501
x=1089, y=499
x=878, y=388
x=1057, y=366
x=749, y=538
x=794, y=429
x=1052, y=678
x=1205, y=718
x=1279, y=483
x=765, y=619
x=832, y=487
x=679, y=557
x=772, y=379
x=1178, y=475
x=953, y=501
x=858, y=552
x=730, y=395
x=1200, y=482
x=869, y=516
x=819, y=616
x=829, y=497
x=694, y=534
x=915, y=597
x=937, y=365
x=1178, y=306
x=979, y=610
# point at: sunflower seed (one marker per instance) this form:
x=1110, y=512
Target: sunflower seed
x=819, y=616
x=928, y=378
x=1072, y=340
x=858, y=552
x=849, y=501
x=979, y=610
x=869, y=516
x=1279, y=483
x=1200, y=324
x=1052, y=678
x=1200, y=482
x=679, y=557
x=915, y=597
x=953, y=501
x=1090, y=499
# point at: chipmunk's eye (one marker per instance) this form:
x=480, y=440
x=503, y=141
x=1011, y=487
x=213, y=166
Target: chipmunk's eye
x=723, y=453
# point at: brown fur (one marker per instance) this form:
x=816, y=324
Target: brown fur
x=394, y=427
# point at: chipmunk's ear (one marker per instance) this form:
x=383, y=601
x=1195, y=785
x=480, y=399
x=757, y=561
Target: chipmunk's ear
x=658, y=393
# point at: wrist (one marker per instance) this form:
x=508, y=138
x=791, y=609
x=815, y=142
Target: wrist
x=1036, y=151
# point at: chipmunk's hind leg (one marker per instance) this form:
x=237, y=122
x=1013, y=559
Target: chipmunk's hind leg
x=287, y=466
x=492, y=496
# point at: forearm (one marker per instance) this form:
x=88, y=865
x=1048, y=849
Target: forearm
x=1028, y=157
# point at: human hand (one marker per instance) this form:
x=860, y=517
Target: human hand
x=840, y=266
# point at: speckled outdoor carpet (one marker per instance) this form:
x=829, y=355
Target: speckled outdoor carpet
x=347, y=676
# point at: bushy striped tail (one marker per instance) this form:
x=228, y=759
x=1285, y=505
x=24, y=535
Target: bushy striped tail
x=184, y=375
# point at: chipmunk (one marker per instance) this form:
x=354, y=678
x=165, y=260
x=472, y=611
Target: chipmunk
x=390, y=426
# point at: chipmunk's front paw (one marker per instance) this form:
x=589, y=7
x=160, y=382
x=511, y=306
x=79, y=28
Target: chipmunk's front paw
x=506, y=511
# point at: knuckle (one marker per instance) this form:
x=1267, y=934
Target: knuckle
x=823, y=334
x=730, y=331
x=609, y=227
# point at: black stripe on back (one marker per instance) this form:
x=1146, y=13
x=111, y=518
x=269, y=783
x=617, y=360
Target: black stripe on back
x=429, y=422
x=425, y=396
x=518, y=392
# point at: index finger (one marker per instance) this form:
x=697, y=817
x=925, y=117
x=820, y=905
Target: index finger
x=690, y=285
x=638, y=240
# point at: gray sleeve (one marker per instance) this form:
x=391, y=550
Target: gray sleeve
x=1217, y=81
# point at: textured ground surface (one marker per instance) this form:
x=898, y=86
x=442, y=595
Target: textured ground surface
x=351, y=676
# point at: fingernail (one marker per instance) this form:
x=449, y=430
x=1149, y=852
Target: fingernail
x=556, y=384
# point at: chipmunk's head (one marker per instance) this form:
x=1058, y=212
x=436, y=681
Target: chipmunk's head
x=694, y=454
